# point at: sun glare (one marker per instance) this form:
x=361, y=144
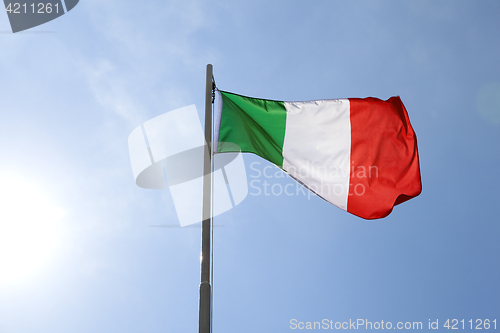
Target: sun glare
x=28, y=228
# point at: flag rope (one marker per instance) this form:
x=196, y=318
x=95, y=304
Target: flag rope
x=212, y=208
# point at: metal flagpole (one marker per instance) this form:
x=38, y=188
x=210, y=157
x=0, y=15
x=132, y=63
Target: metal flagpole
x=205, y=287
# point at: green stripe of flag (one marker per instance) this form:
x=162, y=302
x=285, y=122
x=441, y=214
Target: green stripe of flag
x=255, y=125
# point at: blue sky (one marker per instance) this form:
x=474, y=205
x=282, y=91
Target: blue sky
x=73, y=89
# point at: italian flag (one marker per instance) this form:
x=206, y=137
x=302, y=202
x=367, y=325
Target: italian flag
x=358, y=154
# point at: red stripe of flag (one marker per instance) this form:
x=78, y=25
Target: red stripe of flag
x=384, y=157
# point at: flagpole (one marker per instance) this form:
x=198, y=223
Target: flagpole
x=205, y=287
